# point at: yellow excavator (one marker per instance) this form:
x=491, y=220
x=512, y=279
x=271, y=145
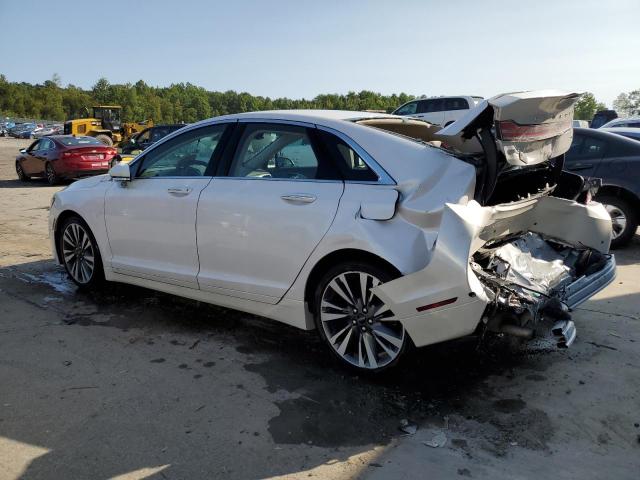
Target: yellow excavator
x=105, y=125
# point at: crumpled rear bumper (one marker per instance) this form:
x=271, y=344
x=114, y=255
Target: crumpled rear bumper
x=447, y=300
x=587, y=286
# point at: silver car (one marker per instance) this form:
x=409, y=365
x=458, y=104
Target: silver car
x=378, y=231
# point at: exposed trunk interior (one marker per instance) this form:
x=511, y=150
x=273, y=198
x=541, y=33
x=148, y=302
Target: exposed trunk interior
x=530, y=277
x=497, y=180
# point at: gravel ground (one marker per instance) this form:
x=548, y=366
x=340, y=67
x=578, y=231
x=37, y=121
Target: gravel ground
x=130, y=383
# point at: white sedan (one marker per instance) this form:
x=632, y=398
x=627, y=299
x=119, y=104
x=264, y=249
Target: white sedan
x=356, y=224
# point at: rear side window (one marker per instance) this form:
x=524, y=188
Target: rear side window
x=349, y=163
x=280, y=151
x=456, y=104
x=408, y=109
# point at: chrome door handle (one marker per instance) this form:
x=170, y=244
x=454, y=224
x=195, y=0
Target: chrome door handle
x=179, y=191
x=299, y=198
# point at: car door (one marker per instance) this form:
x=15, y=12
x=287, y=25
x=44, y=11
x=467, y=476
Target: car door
x=259, y=221
x=29, y=160
x=585, y=154
x=431, y=110
x=151, y=220
x=44, y=154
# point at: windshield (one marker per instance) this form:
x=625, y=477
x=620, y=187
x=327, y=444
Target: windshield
x=74, y=141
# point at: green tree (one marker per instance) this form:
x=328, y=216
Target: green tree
x=587, y=106
x=627, y=104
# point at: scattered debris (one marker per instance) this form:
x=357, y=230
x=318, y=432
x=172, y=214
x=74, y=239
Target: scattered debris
x=194, y=344
x=599, y=345
x=66, y=363
x=438, y=440
x=614, y=334
x=408, y=427
x=375, y=465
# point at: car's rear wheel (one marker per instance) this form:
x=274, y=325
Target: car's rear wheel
x=20, y=172
x=52, y=176
x=624, y=222
x=106, y=139
x=80, y=254
x=358, y=327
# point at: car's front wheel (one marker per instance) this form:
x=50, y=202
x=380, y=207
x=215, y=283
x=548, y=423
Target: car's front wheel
x=358, y=327
x=623, y=220
x=80, y=254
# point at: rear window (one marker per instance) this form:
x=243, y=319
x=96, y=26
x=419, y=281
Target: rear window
x=73, y=141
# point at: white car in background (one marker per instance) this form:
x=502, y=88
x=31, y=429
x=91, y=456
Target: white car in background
x=438, y=110
x=354, y=224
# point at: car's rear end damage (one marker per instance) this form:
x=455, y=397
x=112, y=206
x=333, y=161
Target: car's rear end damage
x=518, y=258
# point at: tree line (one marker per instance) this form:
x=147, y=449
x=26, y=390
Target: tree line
x=182, y=102
x=185, y=102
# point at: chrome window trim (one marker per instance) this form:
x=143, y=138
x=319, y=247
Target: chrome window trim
x=276, y=121
x=277, y=179
x=383, y=177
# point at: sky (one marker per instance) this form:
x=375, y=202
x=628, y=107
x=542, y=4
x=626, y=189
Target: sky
x=299, y=49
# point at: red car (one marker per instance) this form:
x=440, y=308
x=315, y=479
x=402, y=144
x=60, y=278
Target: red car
x=64, y=156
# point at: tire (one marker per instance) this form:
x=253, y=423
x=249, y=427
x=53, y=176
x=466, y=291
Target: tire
x=624, y=219
x=80, y=254
x=106, y=139
x=50, y=173
x=23, y=177
x=361, y=335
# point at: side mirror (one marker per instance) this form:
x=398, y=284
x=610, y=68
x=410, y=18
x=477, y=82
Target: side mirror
x=120, y=172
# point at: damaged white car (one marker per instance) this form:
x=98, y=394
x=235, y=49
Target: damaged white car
x=379, y=231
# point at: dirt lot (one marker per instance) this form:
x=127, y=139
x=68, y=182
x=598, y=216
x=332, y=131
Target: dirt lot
x=129, y=383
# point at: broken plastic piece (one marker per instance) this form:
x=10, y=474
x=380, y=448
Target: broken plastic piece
x=438, y=440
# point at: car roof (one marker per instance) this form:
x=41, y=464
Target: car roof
x=632, y=146
x=323, y=117
x=620, y=129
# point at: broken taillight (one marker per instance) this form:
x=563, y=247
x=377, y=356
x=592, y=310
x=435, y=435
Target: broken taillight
x=514, y=132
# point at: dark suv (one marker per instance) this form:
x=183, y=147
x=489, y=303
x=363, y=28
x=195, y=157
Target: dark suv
x=616, y=160
x=148, y=137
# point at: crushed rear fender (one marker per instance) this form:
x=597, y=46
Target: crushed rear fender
x=447, y=299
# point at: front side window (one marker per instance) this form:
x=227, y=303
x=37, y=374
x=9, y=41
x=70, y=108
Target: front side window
x=408, y=109
x=278, y=151
x=187, y=155
x=584, y=147
x=45, y=144
x=144, y=136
